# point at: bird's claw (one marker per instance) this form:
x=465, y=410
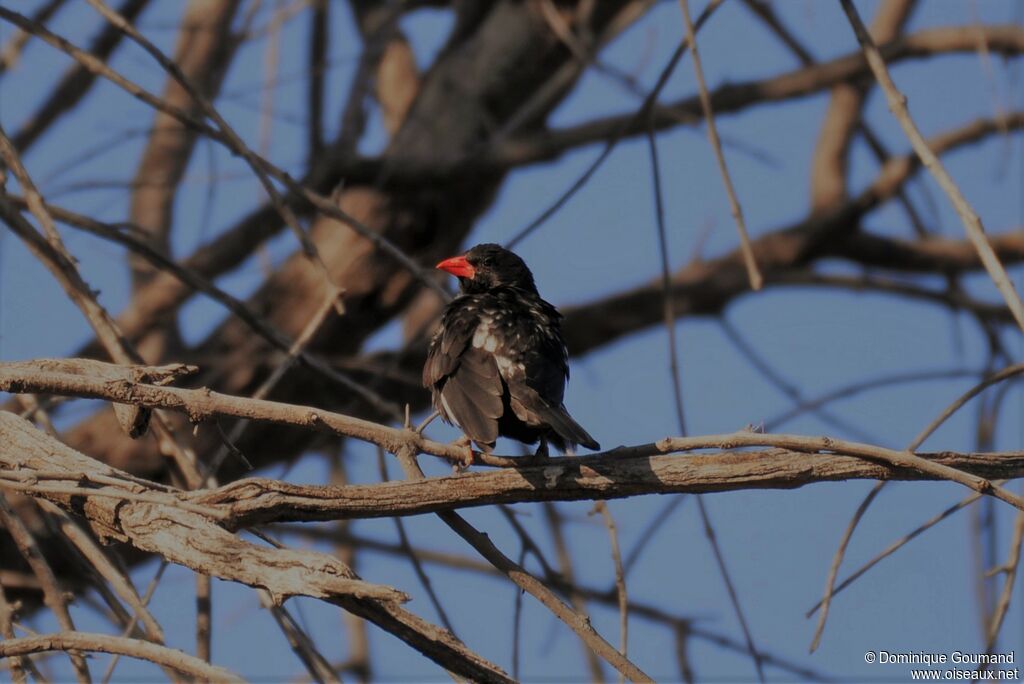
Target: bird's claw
x=538, y=456
x=467, y=459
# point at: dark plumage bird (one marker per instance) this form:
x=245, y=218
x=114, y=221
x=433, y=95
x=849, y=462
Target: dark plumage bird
x=497, y=365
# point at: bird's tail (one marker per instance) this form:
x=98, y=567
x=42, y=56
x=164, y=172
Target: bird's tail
x=568, y=429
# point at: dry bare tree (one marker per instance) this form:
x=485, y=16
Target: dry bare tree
x=291, y=369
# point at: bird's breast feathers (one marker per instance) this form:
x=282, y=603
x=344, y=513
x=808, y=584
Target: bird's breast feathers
x=521, y=332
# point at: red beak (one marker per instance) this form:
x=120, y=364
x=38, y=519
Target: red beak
x=458, y=266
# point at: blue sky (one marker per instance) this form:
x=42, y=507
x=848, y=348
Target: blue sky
x=778, y=544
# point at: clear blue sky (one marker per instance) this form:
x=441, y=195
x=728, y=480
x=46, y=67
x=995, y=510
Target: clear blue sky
x=778, y=544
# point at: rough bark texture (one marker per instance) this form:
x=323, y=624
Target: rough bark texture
x=197, y=541
x=456, y=127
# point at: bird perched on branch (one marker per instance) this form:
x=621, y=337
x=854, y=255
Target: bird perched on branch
x=497, y=365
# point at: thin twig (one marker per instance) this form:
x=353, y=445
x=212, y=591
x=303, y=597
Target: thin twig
x=526, y=581
x=301, y=643
x=620, y=576
x=16, y=44
x=17, y=665
x=639, y=117
x=837, y=559
x=76, y=82
x=734, y=598
x=517, y=621
x=130, y=627
x=1004, y=374
x=323, y=204
x=790, y=390
x=553, y=517
x=753, y=273
x=855, y=388
x=56, y=257
x=648, y=532
x=295, y=351
x=52, y=594
x=896, y=546
x=668, y=312
x=972, y=224
x=232, y=138
x=403, y=541
x=319, y=28
x=1009, y=570
x=677, y=390
x=77, y=642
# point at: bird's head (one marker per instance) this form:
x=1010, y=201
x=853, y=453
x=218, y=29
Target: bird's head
x=487, y=266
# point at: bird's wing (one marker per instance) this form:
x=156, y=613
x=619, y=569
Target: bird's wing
x=464, y=379
x=533, y=409
x=472, y=396
x=450, y=340
x=536, y=379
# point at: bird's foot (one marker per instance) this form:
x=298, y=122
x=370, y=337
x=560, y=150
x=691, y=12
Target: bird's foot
x=468, y=457
x=538, y=456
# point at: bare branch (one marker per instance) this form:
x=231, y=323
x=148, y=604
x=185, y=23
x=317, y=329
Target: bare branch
x=1009, y=570
x=972, y=224
x=753, y=273
x=17, y=665
x=200, y=543
x=121, y=584
x=16, y=44
x=620, y=575
x=52, y=593
x=618, y=132
x=524, y=580
x=831, y=155
x=105, y=643
x=734, y=97
x=319, y=29
x=76, y=82
x=706, y=287
x=203, y=404
x=261, y=167
x=204, y=51
x=554, y=520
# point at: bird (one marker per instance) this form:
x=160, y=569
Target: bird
x=497, y=365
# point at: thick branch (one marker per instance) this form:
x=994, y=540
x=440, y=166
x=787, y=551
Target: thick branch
x=204, y=404
x=734, y=97
x=706, y=287
x=603, y=476
x=165, y=523
x=622, y=472
x=182, y=536
x=934, y=255
x=831, y=155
